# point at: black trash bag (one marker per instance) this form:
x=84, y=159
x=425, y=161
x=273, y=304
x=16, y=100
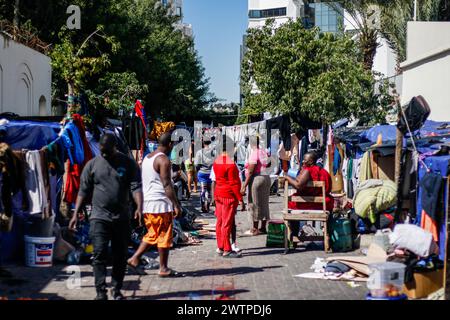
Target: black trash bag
x=416, y=114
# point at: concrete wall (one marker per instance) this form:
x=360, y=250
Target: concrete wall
x=385, y=59
x=25, y=79
x=426, y=71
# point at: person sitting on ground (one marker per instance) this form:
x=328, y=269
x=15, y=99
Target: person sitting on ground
x=227, y=196
x=310, y=172
x=160, y=206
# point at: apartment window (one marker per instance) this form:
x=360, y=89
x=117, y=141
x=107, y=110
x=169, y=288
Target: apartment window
x=164, y=2
x=178, y=11
x=267, y=13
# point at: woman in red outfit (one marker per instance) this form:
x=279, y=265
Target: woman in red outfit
x=227, y=196
x=310, y=172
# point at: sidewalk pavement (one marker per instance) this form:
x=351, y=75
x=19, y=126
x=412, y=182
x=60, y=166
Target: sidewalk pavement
x=262, y=273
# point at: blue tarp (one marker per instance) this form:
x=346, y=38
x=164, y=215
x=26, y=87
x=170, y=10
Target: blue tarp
x=389, y=132
x=29, y=135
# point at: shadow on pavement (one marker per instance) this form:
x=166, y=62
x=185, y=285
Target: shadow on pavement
x=230, y=271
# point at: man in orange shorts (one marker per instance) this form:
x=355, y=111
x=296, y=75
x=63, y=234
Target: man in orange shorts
x=160, y=206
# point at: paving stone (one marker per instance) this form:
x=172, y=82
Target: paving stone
x=262, y=273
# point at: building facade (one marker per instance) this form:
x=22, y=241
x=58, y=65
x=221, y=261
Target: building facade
x=426, y=70
x=25, y=79
x=259, y=11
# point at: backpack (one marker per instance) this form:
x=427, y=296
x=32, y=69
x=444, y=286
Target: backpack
x=416, y=114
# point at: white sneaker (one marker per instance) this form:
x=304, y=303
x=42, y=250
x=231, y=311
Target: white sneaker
x=234, y=248
x=218, y=251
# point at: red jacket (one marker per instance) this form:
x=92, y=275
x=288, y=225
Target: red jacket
x=228, y=183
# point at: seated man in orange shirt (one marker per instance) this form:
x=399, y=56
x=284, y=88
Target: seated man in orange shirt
x=310, y=172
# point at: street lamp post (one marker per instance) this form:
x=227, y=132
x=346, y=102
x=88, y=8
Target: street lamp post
x=415, y=10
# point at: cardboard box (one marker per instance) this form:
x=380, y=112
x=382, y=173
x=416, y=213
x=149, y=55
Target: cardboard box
x=424, y=284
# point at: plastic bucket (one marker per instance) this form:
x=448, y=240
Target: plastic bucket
x=39, y=251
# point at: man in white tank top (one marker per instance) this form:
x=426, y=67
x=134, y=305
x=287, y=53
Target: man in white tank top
x=160, y=205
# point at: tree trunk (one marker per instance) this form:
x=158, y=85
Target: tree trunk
x=16, y=20
x=71, y=88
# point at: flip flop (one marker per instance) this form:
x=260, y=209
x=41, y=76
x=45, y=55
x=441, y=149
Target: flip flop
x=171, y=274
x=250, y=233
x=137, y=270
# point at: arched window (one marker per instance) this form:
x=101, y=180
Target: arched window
x=24, y=91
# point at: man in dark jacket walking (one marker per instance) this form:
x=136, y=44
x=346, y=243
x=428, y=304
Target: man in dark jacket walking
x=109, y=178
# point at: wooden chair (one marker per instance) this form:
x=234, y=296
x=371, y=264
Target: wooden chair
x=306, y=215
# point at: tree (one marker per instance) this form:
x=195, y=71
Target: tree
x=163, y=59
x=116, y=91
x=363, y=16
x=71, y=62
x=318, y=74
x=152, y=50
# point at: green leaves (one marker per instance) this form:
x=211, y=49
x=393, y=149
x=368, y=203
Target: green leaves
x=315, y=73
x=69, y=58
x=131, y=46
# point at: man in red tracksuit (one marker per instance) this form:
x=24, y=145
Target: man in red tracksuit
x=227, y=196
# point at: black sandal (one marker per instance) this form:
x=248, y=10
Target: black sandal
x=137, y=270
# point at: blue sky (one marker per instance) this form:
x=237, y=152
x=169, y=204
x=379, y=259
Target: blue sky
x=218, y=29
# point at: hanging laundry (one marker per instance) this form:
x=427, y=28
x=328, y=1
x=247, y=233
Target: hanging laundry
x=302, y=149
x=55, y=153
x=12, y=169
x=35, y=183
x=93, y=144
x=140, y=111
x=336, y=161
x=46, y=179
x=134, y=131
x=159, y=128
x=73, y=143
x=283, y=124
x=78, y=121
x=72, y=183
x=365, y=172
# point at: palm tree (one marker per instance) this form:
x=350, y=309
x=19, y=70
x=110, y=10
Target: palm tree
x=395, y=15
x=363, y=18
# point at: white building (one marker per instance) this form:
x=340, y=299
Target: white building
x=426, y=70
x=25, y=79
x=280, y=10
